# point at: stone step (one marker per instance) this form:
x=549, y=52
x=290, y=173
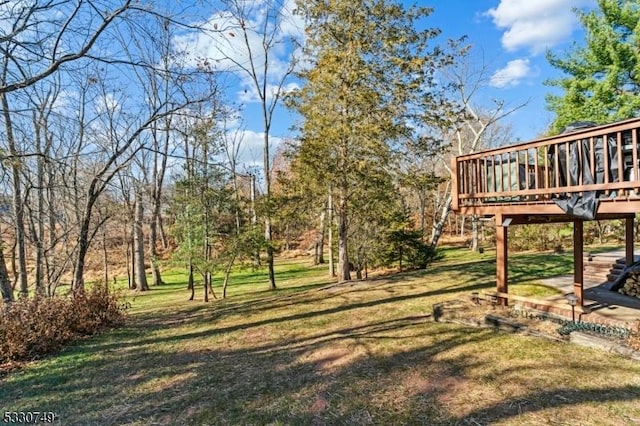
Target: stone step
x=600, y=274
x=612, y=277
x=603, y=268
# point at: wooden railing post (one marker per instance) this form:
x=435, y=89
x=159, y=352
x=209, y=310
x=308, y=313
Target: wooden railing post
x=455, y=202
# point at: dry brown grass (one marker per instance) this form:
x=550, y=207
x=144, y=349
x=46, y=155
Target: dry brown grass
x=361, y=353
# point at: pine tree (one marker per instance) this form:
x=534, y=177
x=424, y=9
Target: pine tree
x=602, y=81
x=367, y=65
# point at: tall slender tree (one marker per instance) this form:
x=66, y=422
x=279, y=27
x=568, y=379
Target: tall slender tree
x=264, y=30
x=368, y=62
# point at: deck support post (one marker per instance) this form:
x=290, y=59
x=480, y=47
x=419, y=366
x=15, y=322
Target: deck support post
x=629, y=238
x=578, y=260
x=502, y=258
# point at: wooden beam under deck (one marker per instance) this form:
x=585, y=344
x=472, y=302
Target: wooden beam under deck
x=532, y=219
x=516, y=184
x=605, y=207
x=502, y=258
x=578, y=261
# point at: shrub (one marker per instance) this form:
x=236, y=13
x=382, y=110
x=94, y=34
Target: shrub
x=407, y=248
x=31, y=328
x=539, y=237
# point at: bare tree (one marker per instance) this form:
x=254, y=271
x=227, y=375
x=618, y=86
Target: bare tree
x=42, y=36
x=80, y=145
x=17, y=200
x=138, y=244
x=158, y=86
x=262, y=34
x=469, y=126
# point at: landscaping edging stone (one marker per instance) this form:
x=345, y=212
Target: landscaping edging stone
x=601, y=343
x=503, y=323
x=452, y=312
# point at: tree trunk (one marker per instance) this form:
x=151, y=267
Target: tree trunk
x=105, y=257
x=207, y=276
x=5, y=283
x=320, y=239
x=360, y=263
x=227, y=273
x=138, y=243
x=332, y=268
x=162, y=234
x=254, y=218
x=344, y=268
x=40, y=232
x=267, y=235
x=267, y=192
x=423, y=214
x=205, y=279
x=159, y=168
x=439, y=226
x=190, y=282
x=51, y=260
x=133, y=283
x=474, y=233
x=18, y=205
x=153, y=241
x=127, y=254
x=83, y=248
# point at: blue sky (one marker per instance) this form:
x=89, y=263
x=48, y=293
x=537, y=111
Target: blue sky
x=511, y=35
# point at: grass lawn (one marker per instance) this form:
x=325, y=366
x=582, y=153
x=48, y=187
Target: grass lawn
x=310, y=353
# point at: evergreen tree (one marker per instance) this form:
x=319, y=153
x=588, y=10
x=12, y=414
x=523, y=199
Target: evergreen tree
x=204, y=208
x=367, y=63
x=602, y=76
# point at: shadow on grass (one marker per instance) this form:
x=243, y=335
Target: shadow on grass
x=324, y=356
x=322, y=378
x=554, y=398
x=215, y=318
x=470, y=276
x=220, y=385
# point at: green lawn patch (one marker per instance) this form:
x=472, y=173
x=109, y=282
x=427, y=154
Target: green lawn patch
x=315, y=353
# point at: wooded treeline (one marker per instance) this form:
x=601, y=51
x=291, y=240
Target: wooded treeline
x=121, y=139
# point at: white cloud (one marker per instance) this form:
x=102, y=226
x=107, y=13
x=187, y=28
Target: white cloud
x=248, y=94
x=107, y=103
x=292, y=23
x=512, y=74
x=222, y=43
x=252, y=146
x=249, y=145
x=536, y=24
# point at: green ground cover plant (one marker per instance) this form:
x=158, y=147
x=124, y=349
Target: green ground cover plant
x=316, y=352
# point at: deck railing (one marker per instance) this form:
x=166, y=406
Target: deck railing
x=602, y=159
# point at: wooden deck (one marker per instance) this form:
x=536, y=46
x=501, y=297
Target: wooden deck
x=526, y=178
x=593, y=173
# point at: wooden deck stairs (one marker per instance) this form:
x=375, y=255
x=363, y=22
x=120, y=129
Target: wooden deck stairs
x=599, y=269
